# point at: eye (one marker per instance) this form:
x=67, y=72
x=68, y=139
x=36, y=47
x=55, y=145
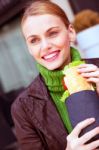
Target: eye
x=34, y=40
x=53, y=33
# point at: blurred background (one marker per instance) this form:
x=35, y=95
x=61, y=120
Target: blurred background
x=18, y=68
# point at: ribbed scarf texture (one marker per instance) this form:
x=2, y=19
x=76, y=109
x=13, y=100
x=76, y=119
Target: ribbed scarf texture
x=53, y=80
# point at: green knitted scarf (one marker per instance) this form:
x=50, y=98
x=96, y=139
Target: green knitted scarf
x=53, y=80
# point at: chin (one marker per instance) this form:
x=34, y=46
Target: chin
x=50, y=68
x=53, y=67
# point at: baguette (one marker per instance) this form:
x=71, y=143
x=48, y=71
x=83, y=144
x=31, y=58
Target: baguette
x=75, y=82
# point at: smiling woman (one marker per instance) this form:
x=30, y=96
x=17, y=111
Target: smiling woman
x=40, y=116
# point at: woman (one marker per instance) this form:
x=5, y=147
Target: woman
x=38, y=113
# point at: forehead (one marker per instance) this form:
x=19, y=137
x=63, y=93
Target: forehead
x=40, y=24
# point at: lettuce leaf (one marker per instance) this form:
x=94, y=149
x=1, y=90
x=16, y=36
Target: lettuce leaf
x=72, y=64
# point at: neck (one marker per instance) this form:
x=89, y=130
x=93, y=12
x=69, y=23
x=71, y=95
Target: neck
x=65, y=63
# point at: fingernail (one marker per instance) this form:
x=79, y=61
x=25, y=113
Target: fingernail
x=92, y=119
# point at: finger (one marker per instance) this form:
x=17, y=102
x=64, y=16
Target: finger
x=84, y=65
x=89, y=135
x=93, y=80
x=87, y=68
x=92, y=145
x=76, y=131
x=91, y=74
x=87, y=65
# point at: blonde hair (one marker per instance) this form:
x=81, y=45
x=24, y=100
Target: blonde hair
x=42, y=7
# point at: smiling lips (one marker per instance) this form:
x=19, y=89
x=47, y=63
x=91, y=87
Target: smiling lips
x=51, y=56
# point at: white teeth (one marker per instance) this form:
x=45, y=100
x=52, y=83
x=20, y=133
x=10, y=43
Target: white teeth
x=50, y=56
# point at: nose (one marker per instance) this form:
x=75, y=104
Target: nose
x=45, y=44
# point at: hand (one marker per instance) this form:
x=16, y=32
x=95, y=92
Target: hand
x=91, y=73
x=74, y=142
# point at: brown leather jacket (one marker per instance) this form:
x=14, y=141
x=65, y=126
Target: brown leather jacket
x=37, y=122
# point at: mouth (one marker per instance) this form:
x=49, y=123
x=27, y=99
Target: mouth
x=51, y=56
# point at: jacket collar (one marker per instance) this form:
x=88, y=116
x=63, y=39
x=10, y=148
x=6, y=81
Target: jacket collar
x=38, y=89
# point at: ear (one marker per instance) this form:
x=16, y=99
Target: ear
x=72, y=33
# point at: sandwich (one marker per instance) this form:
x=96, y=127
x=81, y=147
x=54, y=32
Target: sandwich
x=73, y=80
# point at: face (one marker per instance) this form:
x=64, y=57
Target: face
x=48, y=40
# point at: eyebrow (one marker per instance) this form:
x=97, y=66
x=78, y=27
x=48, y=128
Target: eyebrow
x=33, y=36
x=56, y=27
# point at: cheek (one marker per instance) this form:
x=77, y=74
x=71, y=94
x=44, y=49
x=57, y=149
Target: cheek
x=63, y=41
x=66, y=40
x=32, y=50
